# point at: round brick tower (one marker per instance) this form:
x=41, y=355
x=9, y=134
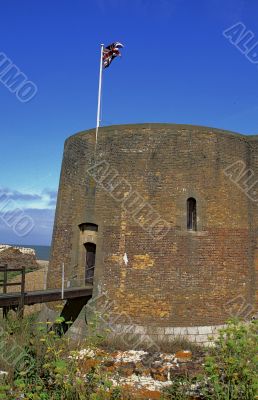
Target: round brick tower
x=162, y=218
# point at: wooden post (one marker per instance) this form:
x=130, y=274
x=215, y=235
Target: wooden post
x=5, y=279
x=21, y=306
x=5, y=309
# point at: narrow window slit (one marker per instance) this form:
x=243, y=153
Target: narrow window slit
x=191, y=214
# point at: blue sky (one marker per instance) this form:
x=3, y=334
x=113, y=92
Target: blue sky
x=176, y=67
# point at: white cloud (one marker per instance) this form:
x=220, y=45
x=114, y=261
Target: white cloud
x=11, y=199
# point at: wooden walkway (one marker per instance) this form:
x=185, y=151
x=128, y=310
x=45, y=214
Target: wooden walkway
x=75, y=297
x=44, y=296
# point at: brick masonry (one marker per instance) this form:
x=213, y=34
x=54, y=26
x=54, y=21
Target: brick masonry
x=179, y=279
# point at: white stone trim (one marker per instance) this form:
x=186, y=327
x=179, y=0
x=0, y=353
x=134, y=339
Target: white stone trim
x=197, y=334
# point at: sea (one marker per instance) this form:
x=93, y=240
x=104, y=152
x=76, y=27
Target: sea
x=42, y=252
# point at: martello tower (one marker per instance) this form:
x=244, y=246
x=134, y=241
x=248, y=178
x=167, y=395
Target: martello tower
x=162, y=218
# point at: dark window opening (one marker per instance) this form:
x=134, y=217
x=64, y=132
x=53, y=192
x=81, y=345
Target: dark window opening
x=88, y=226
x=89, y=261
x=191, y=214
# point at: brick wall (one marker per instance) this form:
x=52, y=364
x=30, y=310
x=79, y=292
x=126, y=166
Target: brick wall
x=184, y=278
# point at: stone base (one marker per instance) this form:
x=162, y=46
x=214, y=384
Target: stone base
x=203, y=335
x=134, y=335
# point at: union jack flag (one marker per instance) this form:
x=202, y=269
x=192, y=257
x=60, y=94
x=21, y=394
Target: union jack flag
x=110, y=52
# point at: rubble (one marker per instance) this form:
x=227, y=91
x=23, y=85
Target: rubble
x=16, y=258
x=139, y=370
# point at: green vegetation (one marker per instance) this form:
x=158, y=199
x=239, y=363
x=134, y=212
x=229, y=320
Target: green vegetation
x=230, y=370
x=232, y=365
x=44, y=366
x=13, y=274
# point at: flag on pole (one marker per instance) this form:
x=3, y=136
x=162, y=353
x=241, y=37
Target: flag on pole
x=107, y=55
x=110, y=52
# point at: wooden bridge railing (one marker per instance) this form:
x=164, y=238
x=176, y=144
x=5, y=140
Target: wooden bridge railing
x=5, y=284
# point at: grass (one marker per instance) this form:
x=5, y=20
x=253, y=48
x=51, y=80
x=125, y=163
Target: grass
x=50, y=370
x=122, y=342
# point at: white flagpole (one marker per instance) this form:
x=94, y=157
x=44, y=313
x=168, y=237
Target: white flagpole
x=99, y=94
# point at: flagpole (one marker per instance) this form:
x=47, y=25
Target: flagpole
x=99, y=93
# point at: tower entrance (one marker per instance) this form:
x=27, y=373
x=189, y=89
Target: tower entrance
x=90, y=257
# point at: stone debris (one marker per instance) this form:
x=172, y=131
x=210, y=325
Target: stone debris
x=17, y=257
x=139, y=370
x=130, y=356
x=184, y=356
x=139, y=382
x=23, y=250
x=84, y=353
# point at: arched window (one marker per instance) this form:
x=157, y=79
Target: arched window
x=87, y=251
x=88, y=226
x=191, y=214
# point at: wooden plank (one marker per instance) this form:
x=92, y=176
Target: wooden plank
x=2, y=268
x=55, y=295
x=11, y=284
x=45, y=296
